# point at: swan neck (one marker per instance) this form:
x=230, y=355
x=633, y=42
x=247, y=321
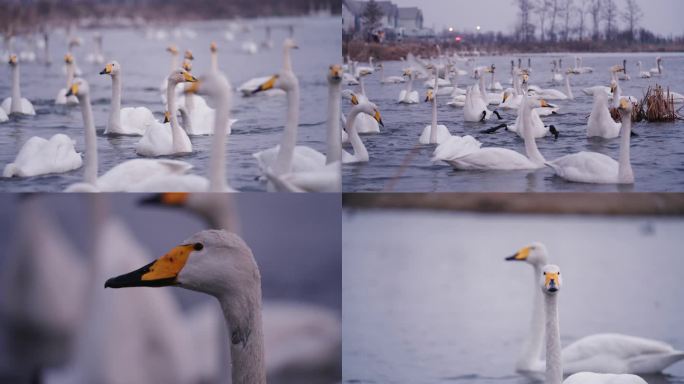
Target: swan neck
x=533, y=345
x=214, y=62
x=245, y=332
x=334, y=136
x=409, y=86
x=360, y=151
x=554, y=367
x=174, y=62
x=217, y=167
x=625, y=173
x=531, y=148
x=289, y=140
x=90, y=175
x=433, y=127
x=568, y=89
x=176, y=130
x=70, y=74
x=287, y=59
x=115, y=111
x=15, y=104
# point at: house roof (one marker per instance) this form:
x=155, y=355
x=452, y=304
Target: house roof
x=357, y=7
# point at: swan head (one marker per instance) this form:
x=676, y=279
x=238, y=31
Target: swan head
x=335, y=74
x=172, y=49
x=534, y=254
x=13, y=60
x=626, y=106
x=187, y=65
x=112, y=68
x=215, y=262
x=371, y=110
x=429, y=95
x=286, y=81
x=181, y=76
x=613, y=86
x=215, y=86
x=550, y=279
x=79, y=88
x=212, y=47
x=290, y=43
x=68, y=58
x=188, y=55
x=167, y=117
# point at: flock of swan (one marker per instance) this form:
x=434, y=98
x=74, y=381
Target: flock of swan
x=600, y=358
x=192, y=106
x=482, y=102
x=63, y=327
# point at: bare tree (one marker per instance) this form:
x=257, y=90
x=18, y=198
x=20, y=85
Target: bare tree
x=595, y=12
x=525, y=8
x=554, y=14
x=542, y=11
x=610, y=14
x=581, y=9
x=372, y=18
x=631, y=16
x=567, y=11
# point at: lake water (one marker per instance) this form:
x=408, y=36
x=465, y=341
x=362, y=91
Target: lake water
x=399, y=163
x=145, y=64
x=428, y=298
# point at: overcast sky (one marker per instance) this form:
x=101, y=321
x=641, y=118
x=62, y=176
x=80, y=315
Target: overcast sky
x=660, y=16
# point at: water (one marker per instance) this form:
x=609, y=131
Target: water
x=434, y=301
x=399, y=163
x=145, y=64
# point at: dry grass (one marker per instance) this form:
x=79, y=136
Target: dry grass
x=657, y=106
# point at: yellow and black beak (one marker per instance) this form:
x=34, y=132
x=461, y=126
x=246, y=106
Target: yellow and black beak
x=336, y=72
x=378, y=118
x=159, y=273
x=167, y=117
x=171, y=199
x=172, y=49
x=544, y=104
x=551, y=281
x=188, y=55
x=13, y=59
x=506, y=95
x=107, y=70
x=269, y=84
x=521, y=255
x=187, y=65
x=189, y=78
x=354, y=99
x=428, y=95
x=68, y=59
x=213, y=47
x=73, y=90
x=624, y=103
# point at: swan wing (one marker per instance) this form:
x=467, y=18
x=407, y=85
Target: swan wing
x=493, y=159
x=603, y=378
x=586, y=167
x=305, y=159
x=456, y=147
x=127, y=175
x=39, y=157
x=136, y=120
x=327, y=179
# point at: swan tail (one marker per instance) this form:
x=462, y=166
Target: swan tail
x=456, y=147
x=10, y=170
x=655, y=363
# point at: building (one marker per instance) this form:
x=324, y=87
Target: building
x=410, y=18
x=396, y=21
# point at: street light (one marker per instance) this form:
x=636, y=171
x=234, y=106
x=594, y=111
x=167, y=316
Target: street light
x=451, y=29
x=478, y=28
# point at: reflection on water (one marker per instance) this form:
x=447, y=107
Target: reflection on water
x=428, y=297
x=656, y=152
x=145, y=64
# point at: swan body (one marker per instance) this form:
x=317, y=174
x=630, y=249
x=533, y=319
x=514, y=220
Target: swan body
x=537, y=127
x=434, y=133
x=658, y=69
x=3, y=115
x=124, y=121
x=600, y=123
x=250, y=87
x=408, y=95
x=551, y=94
x=591, y=91
x=388, y=79
x=365, y=70
x=475, y=109
x=643, y=74
x=16, y=104
x=40, y=157
x=360, y=154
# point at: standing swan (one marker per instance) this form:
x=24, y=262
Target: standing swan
x=597, y=168
x=550, y=286
x=159, y=138
x=16, y=104
x=126, y=121
x=220, y=264
x=595, y=352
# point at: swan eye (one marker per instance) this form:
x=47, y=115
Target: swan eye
x=544, y=273
x=198, y=246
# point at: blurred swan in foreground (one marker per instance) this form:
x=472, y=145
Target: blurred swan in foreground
x=551, y=284
x=604, y=352
x=15, y=104
x=220, y=264
x=61, y=98
x=124, y=121
x=141, y=175
x=39, y=156
x=594, y=167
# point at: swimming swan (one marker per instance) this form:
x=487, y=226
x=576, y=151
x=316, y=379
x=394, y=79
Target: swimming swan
x=61, y=98
x=408, y=95
x=360, y=154
x=41, y=157
x=593, y=167
x=16, y=104
x=220, y=264
x=124, y=121
x=433, y=133
x=597, y=352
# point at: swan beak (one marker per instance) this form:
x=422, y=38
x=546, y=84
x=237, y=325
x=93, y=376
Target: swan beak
x=187, y=65
x=378, y=118
x=212, y=47
x=551, y=281
x=613, y=88
x=354, y=99
x=159, y=273
x=505, y=97
x=107, y=70
x=68, y=58
x=624, y=104
x=521, y=255
x=428, y=96
x=269, y=84
x=167, y=117
x=13, y=59
x=174, y=199
x=544, y=104
x=189, y=78
x=193, y=87
x=188, y=55
x=73, y=90
x=172, y=49
x=336, y=72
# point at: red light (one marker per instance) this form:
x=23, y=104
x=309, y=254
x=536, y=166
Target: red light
x=458, y=39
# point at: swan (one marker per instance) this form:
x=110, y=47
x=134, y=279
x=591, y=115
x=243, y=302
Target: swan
x=551, y=284
x=127, y=176
x=173, y=50
x=557, y=76
x=96, y=57
x=624, y=75
x=433, y=133
x=3, y=115
x=579, y=69
x=249, y=87
x=61, y=98
x=643, y=74
x=389, y=79
x=365, y=70
x=220, y=264
x=466, y=153
x=16, y=104
x=287, y=157
x=537, y=126
x=363, y=123
x=593, y=167
x=41, y=157
x=658, y=70
x=408, y=95
x=634, y=355
x=600, y=122
x=475, y=108
x=124, y=121
x=360, y=152
x=167, y=139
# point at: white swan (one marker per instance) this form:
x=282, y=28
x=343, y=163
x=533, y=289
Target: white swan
x=593, y=167
x=551, y=284
x=434, y=133
x=536, y=126
x=389, y=79
x=605, y=353
x=220, y=264
x=287, y=157
x=360, y=154
x=643, y=74
x=167, y=138
x=475, y=108
x=579, y=69
x=408, y=95
x=658, y=70
x=96, y=57
x=365, y=70
x=173, y=50
x=600, y=123
x=124, y=121
x=466, y=153
x=130, y=175
x=61, y=98
x=3, y=115
x=16, y=104
x=41, y=157
x=363, y=123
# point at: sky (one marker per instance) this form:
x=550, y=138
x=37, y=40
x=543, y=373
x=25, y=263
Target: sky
x=660, y=16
